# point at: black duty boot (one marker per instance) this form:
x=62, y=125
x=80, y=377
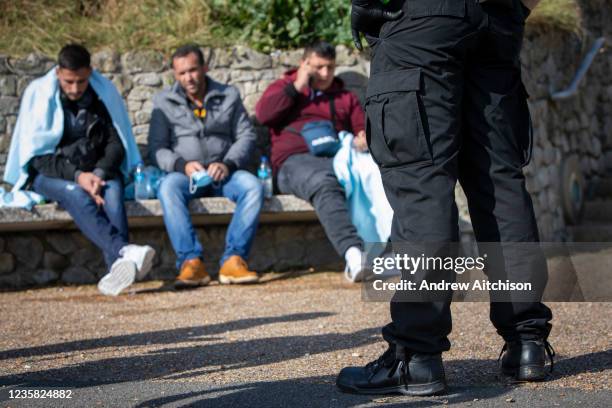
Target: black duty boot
x=396, y=372
x=525, y=360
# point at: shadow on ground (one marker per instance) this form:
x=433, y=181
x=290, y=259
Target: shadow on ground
x=190, y=352
x=173, y=363
x=174, y=336
x=312, y=391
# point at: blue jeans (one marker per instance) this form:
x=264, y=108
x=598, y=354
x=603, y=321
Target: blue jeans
x=241, y=187
x=106, y=226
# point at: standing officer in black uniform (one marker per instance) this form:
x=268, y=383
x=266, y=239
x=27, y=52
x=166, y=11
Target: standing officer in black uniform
x=445, y=103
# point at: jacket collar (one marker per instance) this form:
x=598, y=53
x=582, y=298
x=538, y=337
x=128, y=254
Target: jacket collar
x=85, y=102
x=213, y=88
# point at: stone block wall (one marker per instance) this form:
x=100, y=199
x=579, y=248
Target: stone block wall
x=579, y=126
x=45, y=257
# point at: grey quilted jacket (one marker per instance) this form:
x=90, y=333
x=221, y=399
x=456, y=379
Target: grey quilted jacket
x=176, y=136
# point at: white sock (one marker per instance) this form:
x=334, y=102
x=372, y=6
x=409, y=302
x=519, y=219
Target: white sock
x=353, y=259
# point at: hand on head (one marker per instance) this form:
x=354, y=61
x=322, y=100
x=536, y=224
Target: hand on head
x=315, y=71
x=305, y=74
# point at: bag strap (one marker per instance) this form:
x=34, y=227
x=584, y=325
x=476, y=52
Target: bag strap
x=292, y=130
x=332, y=110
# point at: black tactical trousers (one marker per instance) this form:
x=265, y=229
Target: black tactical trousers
x=445, y=103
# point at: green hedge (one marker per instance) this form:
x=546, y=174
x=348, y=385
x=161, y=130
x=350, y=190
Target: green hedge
x=272, y=24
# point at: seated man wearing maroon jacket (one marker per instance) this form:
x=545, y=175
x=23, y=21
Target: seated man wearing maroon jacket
x=307, y=94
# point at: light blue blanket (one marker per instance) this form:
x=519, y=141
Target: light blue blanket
x=20, y=199
x=368, y=206
x=40, y=125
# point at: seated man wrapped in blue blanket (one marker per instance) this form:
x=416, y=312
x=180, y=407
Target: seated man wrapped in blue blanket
x=73, y=144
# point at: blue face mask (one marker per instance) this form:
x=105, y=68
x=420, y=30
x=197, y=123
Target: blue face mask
x=199, y=179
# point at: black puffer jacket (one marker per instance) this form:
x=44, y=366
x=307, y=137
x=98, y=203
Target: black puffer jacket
x=90, y=142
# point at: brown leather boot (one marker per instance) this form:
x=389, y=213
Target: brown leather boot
x=193, y=273
x=235, y=270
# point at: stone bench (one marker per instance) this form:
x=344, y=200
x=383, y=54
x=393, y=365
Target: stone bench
x=205, y=211
x=43, y=246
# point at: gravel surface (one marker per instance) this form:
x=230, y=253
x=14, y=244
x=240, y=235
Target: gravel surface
x=291, y=335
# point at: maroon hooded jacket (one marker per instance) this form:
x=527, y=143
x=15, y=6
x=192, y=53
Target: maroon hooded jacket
x=282, y=106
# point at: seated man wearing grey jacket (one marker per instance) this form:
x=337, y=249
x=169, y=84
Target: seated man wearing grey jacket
x=199, y=127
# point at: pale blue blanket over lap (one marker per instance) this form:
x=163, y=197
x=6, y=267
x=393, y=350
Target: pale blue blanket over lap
x=40, y=126
x=368, y=206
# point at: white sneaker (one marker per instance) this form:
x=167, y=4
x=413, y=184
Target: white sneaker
x=354, y=270
x=141, y=255
x=122, y=274
x=353, y=275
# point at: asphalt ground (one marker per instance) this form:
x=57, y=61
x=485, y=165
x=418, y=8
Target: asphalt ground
x=279, y=343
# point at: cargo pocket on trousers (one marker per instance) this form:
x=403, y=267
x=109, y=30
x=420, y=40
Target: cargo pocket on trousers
x=395, y=127
x=508, y=115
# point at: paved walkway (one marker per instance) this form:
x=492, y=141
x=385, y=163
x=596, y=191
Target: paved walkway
x=276, y=344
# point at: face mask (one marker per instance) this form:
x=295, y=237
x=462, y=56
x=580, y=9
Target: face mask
x=199, y=179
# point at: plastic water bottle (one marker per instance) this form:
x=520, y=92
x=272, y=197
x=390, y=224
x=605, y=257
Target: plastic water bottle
x=140, y=183
x=264, y=173
x=152, y=181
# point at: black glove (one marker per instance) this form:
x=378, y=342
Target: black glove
x=366, y=15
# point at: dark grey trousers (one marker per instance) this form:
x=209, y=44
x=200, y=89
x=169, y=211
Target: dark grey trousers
x=312, y=178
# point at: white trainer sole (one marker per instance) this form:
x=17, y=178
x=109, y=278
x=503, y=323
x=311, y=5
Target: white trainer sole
x=358, y=277
x=144, y=267
x=121, y=275
x=226, y=280
x=184, y=284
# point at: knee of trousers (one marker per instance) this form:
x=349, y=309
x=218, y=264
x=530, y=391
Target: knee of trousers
x=171, y=188
x=328, y=189
x=114, y=192
x=76, y=196
x=254, y=194
x=250, y=188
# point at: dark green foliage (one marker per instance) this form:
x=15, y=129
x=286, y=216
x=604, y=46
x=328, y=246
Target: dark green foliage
x=271, y=24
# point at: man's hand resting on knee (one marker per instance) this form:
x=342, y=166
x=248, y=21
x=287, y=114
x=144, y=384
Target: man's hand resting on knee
x=92, y=184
